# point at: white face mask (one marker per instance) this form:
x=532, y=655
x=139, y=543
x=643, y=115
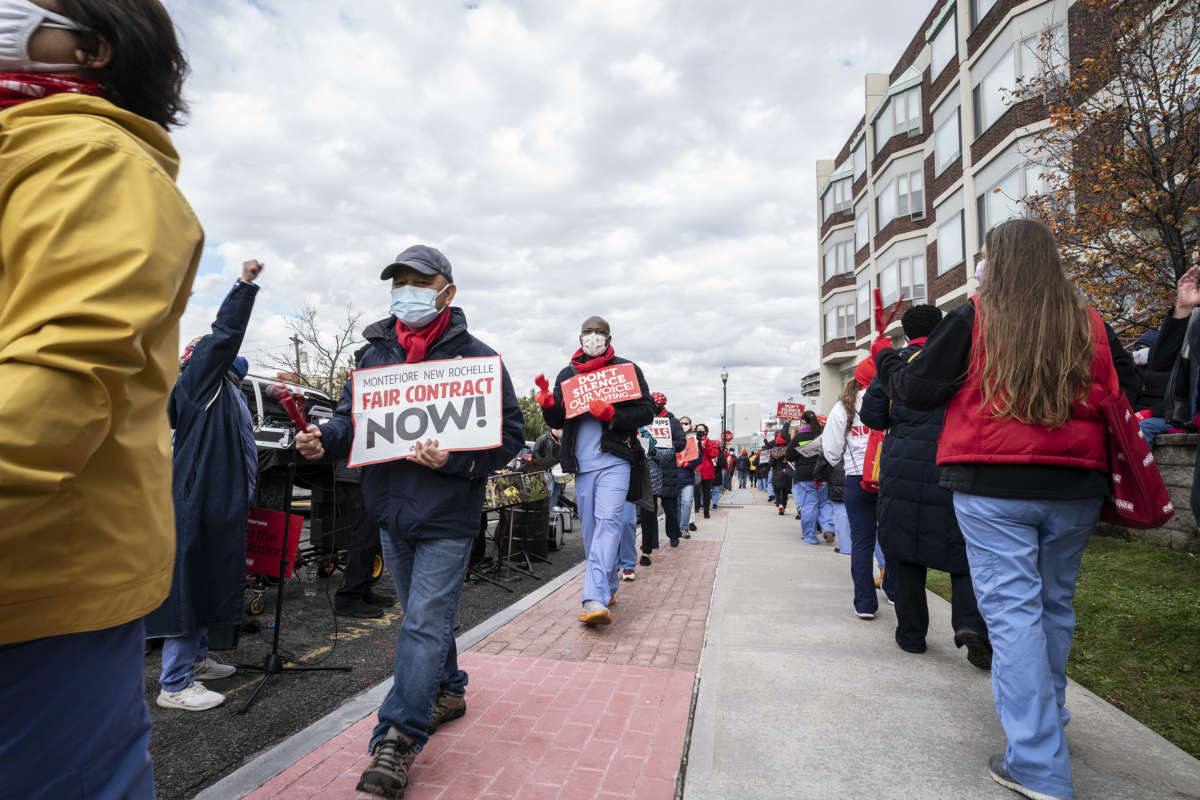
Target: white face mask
x=979, y=271
x=18, y=21
x=593, y=344
x=1141, y=356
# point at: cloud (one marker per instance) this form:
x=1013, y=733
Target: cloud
x=648, y=160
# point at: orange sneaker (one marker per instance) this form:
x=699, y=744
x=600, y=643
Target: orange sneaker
x=594, y=613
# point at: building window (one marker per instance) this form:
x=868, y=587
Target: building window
x=860, y=159
x=1043, y=55
x=990, y=95
x=902, y=196
x=951, y=243
x=839, y=259
x=945, y=45
x=903, y=276
x=901, y=114
x=947, y=139
x=861, y=226
x=864, y=300
x=837, y=197
x=839, y=322
x=1000, y=202
x=979, y=10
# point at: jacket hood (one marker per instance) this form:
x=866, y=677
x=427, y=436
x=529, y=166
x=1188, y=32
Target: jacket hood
x=61, y=114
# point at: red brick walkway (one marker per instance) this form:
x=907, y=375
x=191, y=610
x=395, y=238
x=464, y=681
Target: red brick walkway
x=557, y=709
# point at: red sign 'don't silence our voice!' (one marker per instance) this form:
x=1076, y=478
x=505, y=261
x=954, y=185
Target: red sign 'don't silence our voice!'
x=613, y=384
x=790, y=411
x=265, y=538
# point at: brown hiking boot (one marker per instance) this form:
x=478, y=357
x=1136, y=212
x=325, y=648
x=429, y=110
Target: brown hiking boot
x=447, y=707
x=391, y=760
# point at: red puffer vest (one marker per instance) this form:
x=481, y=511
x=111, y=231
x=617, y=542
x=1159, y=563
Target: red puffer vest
x=971, y=435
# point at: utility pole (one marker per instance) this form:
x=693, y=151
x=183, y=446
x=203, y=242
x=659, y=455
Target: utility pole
x=296, y=340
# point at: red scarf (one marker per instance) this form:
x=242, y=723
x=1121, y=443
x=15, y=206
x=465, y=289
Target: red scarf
x=917, y=342
x=417, y=343
x=22, y=87
x=599, y=361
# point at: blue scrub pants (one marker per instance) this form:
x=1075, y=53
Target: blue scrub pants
x=627, y=553
x=814, y=507
x=76, y=722
x=600, y=497
x=180, y=654
x=1024, y=557
x=841, y=527
x=861, y=508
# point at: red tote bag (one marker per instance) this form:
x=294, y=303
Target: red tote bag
x=1139, y=496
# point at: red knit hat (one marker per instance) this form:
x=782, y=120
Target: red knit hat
x=779, y=439
x=660, y=399
x=864, y=372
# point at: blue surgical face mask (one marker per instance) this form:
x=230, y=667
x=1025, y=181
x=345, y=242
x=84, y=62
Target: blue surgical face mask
x=415, y=305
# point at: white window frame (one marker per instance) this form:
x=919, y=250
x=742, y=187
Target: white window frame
x=1030, y=56
x=990, y=199
x=862, y=225
x=884, y=214
x=946, y=36
x=863, y=296
x=990, y=86
x=979, y=10
x=953, y=226
x=950, y=123
x=839, y=322
x=860, y=159
x=838, y=258
x=838, y=197
x=900, y=276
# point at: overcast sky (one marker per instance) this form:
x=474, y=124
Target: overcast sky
x=651, y=161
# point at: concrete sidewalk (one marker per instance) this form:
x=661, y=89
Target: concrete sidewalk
x=800, y=699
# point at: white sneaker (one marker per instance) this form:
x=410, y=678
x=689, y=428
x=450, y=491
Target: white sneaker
x=212, y=670
x=193, y=697
x=864, y=615
x=628, y=574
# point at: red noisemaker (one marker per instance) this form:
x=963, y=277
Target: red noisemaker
x=293, y=404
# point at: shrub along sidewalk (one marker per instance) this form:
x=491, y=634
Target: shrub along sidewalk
x=1137, y=634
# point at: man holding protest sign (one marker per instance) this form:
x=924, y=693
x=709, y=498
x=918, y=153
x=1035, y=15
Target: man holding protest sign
x=599, y=401
x=421, y=376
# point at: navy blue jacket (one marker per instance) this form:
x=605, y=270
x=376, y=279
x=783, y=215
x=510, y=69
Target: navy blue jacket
x=209, y=485
x=618, y=436
x=916, y=515
x=408, y=499
x=666, y=459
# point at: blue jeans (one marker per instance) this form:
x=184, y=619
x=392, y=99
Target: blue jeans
x=84, y=691
x=841, y=527
x=1152, y=427
x=685, y=507
x=600, y=496
x=180, y=655
x=716, y=493
x=1024, y=557
x=428, y=574
x=879, y=559
x=627, y=553
x=860, y=506
x=814, y=507
x=555, y=489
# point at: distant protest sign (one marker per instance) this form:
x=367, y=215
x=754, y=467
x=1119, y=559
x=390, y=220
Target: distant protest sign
x=790, y=411
x=613, y=384
x=457, y=402
x=660, y=431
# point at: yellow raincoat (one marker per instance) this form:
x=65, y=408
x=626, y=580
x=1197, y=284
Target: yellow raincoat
x=98, y=249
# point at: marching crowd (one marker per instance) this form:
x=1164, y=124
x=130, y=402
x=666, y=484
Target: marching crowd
x=995, y=466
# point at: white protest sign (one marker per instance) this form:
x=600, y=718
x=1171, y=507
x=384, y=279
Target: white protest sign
x=613, y=384
x=660, y=431
x=457, y=402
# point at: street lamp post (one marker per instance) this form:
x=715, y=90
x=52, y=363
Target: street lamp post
x=724, y=383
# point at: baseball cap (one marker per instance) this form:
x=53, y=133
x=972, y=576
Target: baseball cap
x=424, y=259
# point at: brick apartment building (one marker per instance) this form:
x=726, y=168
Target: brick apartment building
x=904, y=205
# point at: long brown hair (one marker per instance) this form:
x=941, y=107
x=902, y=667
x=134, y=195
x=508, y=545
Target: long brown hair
x=849, y=401
x=1037, y=338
